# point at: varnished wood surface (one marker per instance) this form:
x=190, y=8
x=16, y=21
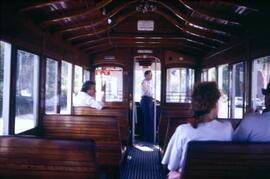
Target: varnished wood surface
x=119, y=113
x=103, y=130
x=31, y=157
x=227, y=160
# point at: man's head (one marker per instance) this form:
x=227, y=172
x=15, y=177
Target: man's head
x=266, y=93
x=89, y=87
x=148, y=75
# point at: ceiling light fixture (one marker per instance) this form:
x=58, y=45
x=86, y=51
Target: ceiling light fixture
x=109, y=21
x=146, y=6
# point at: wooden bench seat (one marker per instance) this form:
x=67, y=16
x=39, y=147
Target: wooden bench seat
x=119, y=113
x=220, y=160
x=105, y=132
x=31, y=157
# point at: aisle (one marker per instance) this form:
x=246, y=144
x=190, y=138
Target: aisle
x=143, y=162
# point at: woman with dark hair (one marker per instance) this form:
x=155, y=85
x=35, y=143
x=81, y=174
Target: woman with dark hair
x=202, y=127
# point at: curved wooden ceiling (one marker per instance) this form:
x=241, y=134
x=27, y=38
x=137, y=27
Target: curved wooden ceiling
x=194, y=27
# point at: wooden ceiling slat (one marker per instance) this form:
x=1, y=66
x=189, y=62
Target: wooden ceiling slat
x=195, y=40
x=180, y=49
x=251, y=5
x=225, y=19
x=193, y=32
x=98, y=21
x=145, y=37
x=190, y=31
x=101, y=30
x=145, y=44
x=190, y=22
x=41, y=5
x=86, y=12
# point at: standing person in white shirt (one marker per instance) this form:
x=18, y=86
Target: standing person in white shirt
x=201, y=127
x=147, y=106
x=256, y=127
x=86, y=97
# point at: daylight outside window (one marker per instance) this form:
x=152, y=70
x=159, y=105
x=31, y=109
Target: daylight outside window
x=51, y=86
x=179, y=85
x=26, y=91
x=223, y=84
x=260, y=78
x=5, y=64
x=112, y=78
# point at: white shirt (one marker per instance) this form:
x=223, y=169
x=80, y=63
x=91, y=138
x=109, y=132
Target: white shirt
x=176, y=149
x=147, y=89
x=84, y=99
x=254, y=127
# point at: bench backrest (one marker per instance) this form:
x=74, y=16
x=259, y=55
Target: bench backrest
x=30, y=157
x=120, y=113
x=227, y=160
x=170, y=118
x=104, y=131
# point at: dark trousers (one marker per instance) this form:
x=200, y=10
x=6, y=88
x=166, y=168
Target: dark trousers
x=147, y=107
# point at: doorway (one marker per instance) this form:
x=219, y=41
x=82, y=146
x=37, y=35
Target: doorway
x=142, y=64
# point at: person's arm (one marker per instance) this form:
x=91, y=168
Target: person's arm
x=91, y=102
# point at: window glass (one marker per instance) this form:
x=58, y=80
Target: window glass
x=112, y=78
x=204, y=75
x=223, y=84
x=51, y=86
x=66, y=79
x=139, y=71
x=77, y=80
x=5, y=56
x=179, y=85
x=26, y=91
x=260, y=78
x=237, y=90
x=211, y=74
x=86, y=75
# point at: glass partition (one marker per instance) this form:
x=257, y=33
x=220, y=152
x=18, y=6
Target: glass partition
x=260, y=78
x=51, y=86
x=112, y=79
x=26, y=91
x=179, y=84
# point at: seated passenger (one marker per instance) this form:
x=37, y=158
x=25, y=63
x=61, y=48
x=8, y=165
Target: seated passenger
x=202, y=127
x=86, y=97
x=256, y=127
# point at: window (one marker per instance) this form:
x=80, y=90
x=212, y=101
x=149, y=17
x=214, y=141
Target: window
x=5, y=56
x=179, y=85
x=260, y=78
x=139, y=77
x=51, y=86
x=26, y=91
x=66, y=79
x=223, y=84
x=77, y=80
x=204, y=75
x=112, y=78
x=86, y=75
x=212, y=74
x=237, y=90
x=209, y=74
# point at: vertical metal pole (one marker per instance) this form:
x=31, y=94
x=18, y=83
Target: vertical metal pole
x=155, y=105
x=134, y=112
